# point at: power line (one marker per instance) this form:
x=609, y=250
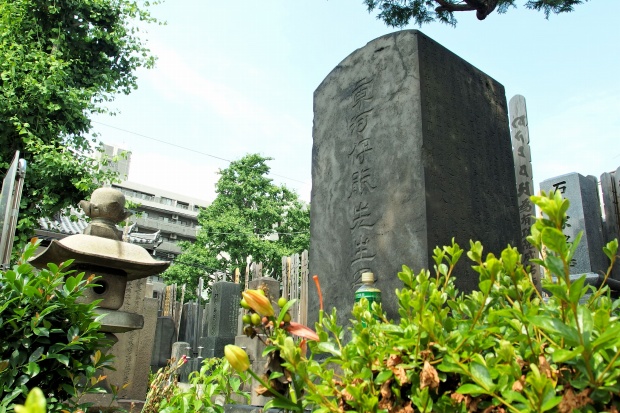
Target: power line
x=186, y=148
x=258, y=235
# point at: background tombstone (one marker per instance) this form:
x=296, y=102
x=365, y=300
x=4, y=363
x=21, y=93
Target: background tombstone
x=584, y=214
x=180, y=349
x=165, y=335
x=411, y=148
x=222, y=314
x=191, y=318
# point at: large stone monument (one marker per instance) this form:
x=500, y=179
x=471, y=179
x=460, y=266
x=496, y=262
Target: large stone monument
x=411, y=148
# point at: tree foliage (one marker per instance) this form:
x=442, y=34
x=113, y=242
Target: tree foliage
x=399, y=13
x=60, y=62
x=250, y=216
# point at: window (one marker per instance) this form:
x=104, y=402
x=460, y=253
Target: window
x=166, y=201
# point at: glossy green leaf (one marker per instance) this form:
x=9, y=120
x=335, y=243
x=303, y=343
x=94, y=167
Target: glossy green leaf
x=563, y=355
x=556, y=326
x=576, y=289
x=383, y=376
x=470, y=388
x=481, y=375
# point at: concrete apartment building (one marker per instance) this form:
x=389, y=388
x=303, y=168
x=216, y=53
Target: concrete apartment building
x=173, y=215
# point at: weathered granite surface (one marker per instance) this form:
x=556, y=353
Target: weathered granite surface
x=411, y=148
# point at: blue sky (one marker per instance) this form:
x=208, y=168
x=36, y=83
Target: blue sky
x=238, y=78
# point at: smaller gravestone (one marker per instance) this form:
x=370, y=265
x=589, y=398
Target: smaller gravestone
x=222, y=315
x=584, y=214
x=181, y=349
x=189, y=330
x=165, y=335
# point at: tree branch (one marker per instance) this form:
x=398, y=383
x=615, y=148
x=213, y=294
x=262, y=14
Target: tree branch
x=483, y=7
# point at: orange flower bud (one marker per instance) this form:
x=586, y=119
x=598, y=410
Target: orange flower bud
x=237, y=357
x=258, y=302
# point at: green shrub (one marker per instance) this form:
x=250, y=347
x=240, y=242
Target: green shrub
x=209, y=389
x=506, y=347
x=49, y=339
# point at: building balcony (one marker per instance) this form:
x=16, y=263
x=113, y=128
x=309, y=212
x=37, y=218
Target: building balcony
x=169, y=247
x=167, y=226
x=182, y=210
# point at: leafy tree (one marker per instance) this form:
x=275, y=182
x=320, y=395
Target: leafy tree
x=398, y=13
x=59, y=63
x=249, y=217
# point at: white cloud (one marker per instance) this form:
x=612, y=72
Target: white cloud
x=180, y=83
x=185, y=178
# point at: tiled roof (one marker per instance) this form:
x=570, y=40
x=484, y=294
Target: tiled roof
x=75, y=223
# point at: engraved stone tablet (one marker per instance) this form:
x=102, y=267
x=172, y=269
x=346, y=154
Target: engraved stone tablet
x=584, y=214
x=223, y=309
x=222, y=315
x=411, y=148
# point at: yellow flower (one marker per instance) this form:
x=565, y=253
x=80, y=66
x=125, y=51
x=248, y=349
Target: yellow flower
x=237, y=357
x=258, y=302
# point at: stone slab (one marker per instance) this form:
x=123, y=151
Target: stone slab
x=214, y=346
x=165, y=335
x=190, y=326
x=139, y=383
x=411, y=147
x=254, y=348
x=223, y=309
x=134, y=348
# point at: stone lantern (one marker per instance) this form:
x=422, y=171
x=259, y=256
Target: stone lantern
x=101, y=251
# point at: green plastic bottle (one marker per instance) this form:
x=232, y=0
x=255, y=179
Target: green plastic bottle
x=368, y=290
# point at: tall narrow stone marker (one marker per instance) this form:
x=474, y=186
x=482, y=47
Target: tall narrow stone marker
x=520, y=134
x=411, y=148
x=610, y=187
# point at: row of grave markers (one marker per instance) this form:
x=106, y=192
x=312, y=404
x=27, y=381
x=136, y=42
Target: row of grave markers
x=199, y=332
x=584, y=213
